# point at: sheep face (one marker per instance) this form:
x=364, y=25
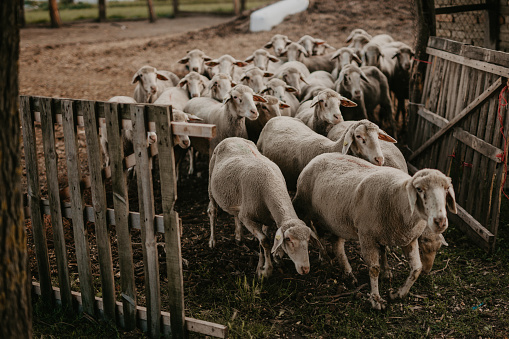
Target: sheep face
x=345, y=56
x=404, y=58
x=309, y=43
x=278, y=42
x=181, y=140
x=293, y=78
x=429, y=244
x=371, y=55
x=277, y=88
x=429, y=193
x=260, y=58
x=253, y=78
x=195, y=60
x=147, y=77
x=362, y=140
x=350, y=80
x=269, y=109
x=355, y=32
x=226, y=64
x=294, y=51
x=242, y=98
x=358, y=42
x=195, y=84
x=326, y=105
x=294, y=242
x=220, y=85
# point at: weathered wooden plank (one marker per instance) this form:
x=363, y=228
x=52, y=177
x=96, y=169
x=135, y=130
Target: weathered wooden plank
x=478, y=144
x=444, y=44
x=171, y=225
x=146, y=201
x=99, y=204
x=121, y=205
x=487, y=55
x=77, y=206
x=476, y=64
x=34, y=196
x=470, y=226
x=473, y=105
x=193, y=325
x=432, y=117
x=51, y=159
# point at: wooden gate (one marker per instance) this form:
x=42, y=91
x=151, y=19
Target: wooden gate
x=72, y=115
x=459, y=128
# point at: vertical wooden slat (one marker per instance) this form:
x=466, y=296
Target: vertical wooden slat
x=51, y=159
x=77, y=206
x=121, y=205
x=34, y=198
x=99, y=204
x=171, y=224
x=146, y=201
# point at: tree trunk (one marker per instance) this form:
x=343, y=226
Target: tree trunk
x=102, y=10
x=236, y=7
x=56, y=22
x=426, y=27
x=151, y=13
x=175, y=7
x=15, y=302
x=22, y=22
x=242, y=5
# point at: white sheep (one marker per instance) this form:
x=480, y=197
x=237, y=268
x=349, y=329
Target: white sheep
x=227, y=64
x=228, y=117
x=266, y=111
x=379, y=206
x=195, y=61
x=261, y=59
x=294, y=74
x=316, y=82
x=148, y=88
x=314, y=46
x=219, y=86
x=292, y=145
x=192, y=85
x=321, y=113
x=250, y=187
x=278, y=42
x=282, y=91
x=254, y=77
x=356, y=32
x=342, y=57
x=368, y=87
x=358, y=41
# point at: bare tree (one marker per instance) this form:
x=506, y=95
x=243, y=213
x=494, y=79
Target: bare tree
x=102, y=10
x=151, y=13
x=175, y=7
x=22, y=22
x=15, y=305
x=56, y=22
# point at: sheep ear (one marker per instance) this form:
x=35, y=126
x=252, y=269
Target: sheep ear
x=234, y=84
x=265, y=90
x=290, y=89
x=315, y=101
x=250, y=59
x=161, y=76
x=268, y=45
x=278, y=240
x=273, y=58
x=282, y=105
x=356, y=58
x=450, y=200
x=258, y=98
x=364, y=77
x=240, y=63
x=329, y=47
x=244, y=78
x=206, y=58
x=347, y=102
x=184, y=60
x=303, y=80
x=136, y=78
x=212, y=63
x=335, y=55
x=182, y=83
x=412, y=195
x=193, y=117
x=395, y=55
x=349, y=136
x=267, y=74
x=386, y=137
x=442, y=240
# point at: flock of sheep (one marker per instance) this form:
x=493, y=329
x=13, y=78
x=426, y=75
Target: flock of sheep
x=280, y=128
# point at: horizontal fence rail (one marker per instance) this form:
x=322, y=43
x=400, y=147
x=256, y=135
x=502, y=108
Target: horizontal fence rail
x=118, y=293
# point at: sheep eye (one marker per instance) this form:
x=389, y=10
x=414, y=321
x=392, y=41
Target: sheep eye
x=235, y=97
x=418, y=189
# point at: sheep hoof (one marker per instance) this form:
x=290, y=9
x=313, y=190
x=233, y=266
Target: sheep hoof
x=395, y=295
x=377, y=302
x=212, y=243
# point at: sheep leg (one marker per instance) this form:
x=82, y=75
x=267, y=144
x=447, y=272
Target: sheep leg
x=264, y=268
x=386, y=269
x=411, y=251
x=371, y=254
x=212, y=212
x=238, y=230
x=339, y=249
x=190, y=152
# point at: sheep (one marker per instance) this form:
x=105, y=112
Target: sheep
x=175, y=96
x=293, y=73
x=228, y=117
x=270, y=109
x=358, y=41
x=219, y=86
x=279, y=89
x=250, y=187
x=173, y=79
x=342, y=57
x=147, y=87
x=254, y=78
x=227, y=64
x=379, y=206
x=292, y=145
x=368, y=88
x=261, y=59
x=381, y=39
x=314, y=46
x=195, y=60
x=294, y=52
x=355, y=32
x=323, y=111
x=278, y=42
x=195, y=85
x=316, y=82
x=429, y=244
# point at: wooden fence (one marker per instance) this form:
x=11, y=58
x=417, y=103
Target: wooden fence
x=117, y=304
x=459, y=128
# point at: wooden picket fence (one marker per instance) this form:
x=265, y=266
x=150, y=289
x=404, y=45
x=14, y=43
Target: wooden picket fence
x=117, y=305
x=460, y=128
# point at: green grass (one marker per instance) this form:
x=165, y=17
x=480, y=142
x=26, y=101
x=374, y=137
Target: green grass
x=134, y=10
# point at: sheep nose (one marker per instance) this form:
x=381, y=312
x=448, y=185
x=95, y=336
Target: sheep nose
x=337, y=117
x=186, y=143
x=357, y=93
x=379, y=161
x=195, y=95
x=305, y=269
x=440, y=223
x=152, y=139
x=254, y=114
x=195, y=69
x=153, y=89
